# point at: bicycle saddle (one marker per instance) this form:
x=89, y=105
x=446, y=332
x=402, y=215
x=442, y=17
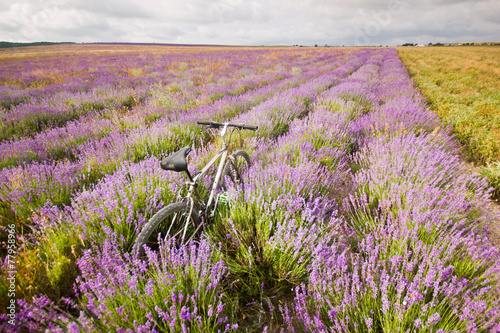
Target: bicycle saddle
x=176, y=161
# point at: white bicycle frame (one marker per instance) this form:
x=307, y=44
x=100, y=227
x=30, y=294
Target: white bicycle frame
x=223, y=155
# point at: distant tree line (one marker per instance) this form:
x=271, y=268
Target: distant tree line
x=4, y=45
x=453, y=44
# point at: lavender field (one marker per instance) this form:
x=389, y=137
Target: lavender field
x=358, y=214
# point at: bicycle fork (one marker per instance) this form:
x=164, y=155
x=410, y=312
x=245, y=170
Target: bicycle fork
x=215, y=184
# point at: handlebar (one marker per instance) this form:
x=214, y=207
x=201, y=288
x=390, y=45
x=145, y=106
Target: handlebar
x=214, y=124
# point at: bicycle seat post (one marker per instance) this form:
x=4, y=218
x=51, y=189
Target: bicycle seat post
x=191, y=181
x=223, y=134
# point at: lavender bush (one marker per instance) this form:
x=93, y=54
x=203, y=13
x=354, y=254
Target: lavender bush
x=417, y=258
x=178, y=289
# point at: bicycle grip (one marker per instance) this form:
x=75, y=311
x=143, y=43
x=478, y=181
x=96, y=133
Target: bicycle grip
x=251, y=127
x=203, y=122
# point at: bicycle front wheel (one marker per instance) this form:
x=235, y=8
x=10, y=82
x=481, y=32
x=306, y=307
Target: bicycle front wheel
x=235, y=170
x=173, y=221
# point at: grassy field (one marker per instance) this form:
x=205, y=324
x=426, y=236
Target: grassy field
x=462, y=84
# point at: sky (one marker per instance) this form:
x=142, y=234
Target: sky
x=251, y=22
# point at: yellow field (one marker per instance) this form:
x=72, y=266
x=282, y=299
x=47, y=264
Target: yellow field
x=462, y=84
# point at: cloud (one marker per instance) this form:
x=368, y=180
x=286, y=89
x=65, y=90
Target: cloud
x=250, y=22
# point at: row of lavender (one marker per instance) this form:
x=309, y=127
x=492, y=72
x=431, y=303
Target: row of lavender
x=61, y=141
x=402, y=246
x=183, y=89
x=32, y=184
x=56, y=180
x=166, y=90
x=412, y=252
x=364, y=204
x=81, y=73
x=356, y=196
x=119, y=205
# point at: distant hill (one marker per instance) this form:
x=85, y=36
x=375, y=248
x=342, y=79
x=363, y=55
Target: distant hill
x=4, y=45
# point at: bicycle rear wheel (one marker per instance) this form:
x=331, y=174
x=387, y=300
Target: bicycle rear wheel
x=168, y=221
x=235, y=169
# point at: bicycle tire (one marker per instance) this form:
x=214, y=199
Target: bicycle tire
x=235, y=171
x=170, y=218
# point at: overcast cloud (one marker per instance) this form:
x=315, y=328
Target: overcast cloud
x=251, y=22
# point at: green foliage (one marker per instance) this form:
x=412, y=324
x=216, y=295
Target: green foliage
x=492, y=172
x=361, y=102
x=169, y=140
x=11, y=44
x=49, y=265
x=59, y=249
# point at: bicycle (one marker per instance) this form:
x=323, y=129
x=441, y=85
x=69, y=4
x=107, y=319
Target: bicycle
x=191, y=211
